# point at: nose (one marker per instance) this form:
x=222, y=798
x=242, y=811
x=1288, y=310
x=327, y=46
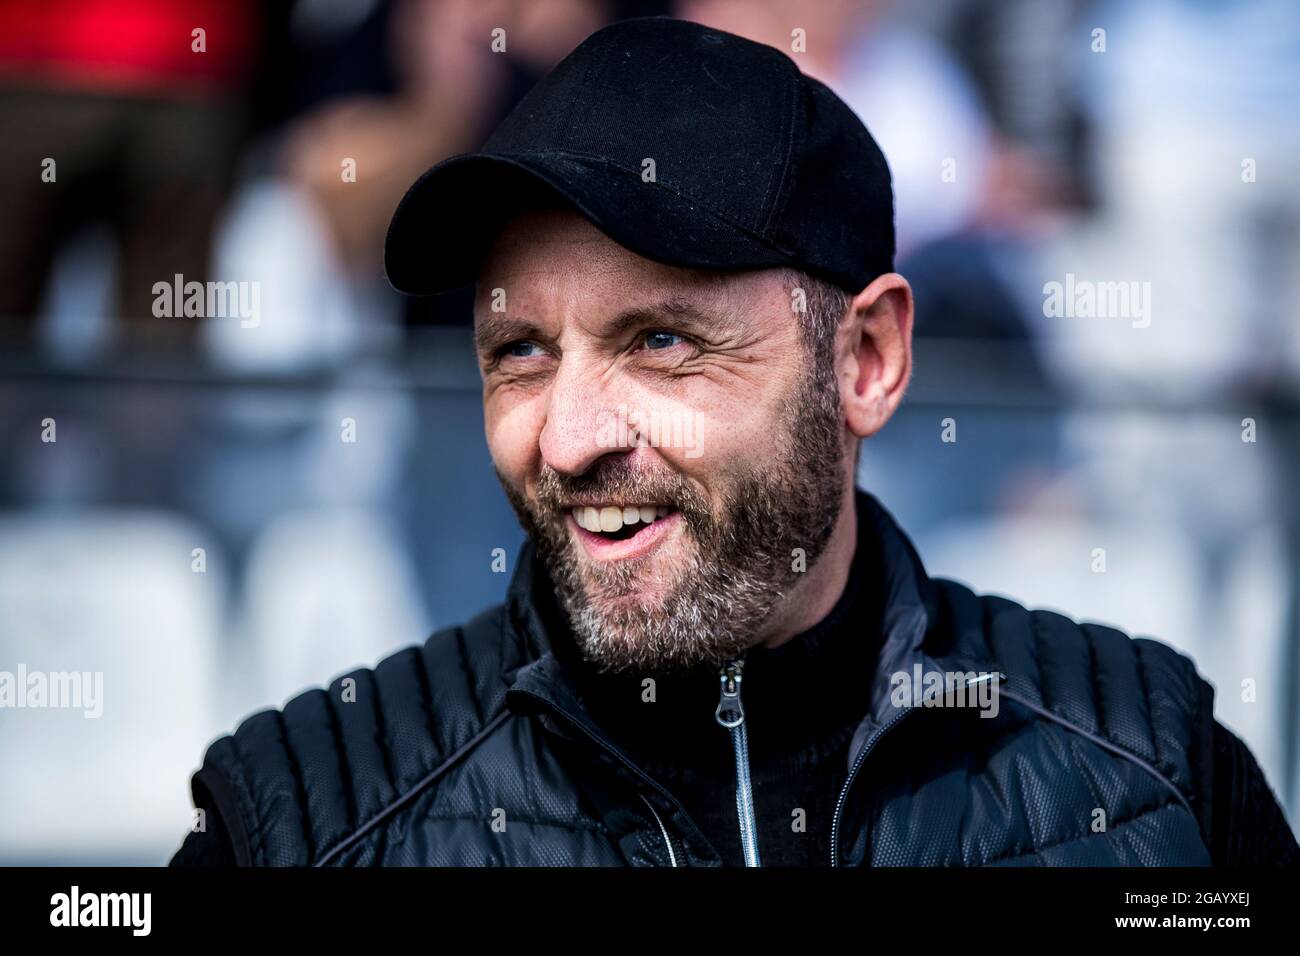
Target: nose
x=585, y=420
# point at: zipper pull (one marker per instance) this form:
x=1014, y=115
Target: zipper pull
x=730, y=713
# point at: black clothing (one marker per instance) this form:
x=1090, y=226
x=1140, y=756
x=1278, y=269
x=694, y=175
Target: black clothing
x=501, y=719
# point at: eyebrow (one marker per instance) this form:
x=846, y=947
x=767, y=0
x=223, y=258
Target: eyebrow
x=676, y=310
x=495, y=330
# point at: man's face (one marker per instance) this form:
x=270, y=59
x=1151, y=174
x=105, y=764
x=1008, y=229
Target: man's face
x=663, y=435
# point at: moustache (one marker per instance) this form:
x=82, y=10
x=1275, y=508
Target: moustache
x=618, y=481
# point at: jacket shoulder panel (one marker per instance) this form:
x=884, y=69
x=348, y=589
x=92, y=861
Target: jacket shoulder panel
x=1137, y=694
x=311, y=776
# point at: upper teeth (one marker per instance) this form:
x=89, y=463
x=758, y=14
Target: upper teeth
x=612, y=517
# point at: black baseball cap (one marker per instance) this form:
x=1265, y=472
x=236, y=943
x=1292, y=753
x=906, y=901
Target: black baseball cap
x=687, y=145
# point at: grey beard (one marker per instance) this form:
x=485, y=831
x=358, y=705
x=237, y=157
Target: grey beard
x=743, y=563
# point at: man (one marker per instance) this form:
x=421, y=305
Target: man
x=715, y=651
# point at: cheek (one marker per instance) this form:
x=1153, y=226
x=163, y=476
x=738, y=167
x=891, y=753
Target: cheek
x=721, y=433
x=742, y=441
x=513, y=427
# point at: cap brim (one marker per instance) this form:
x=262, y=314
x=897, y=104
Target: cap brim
x=448, y=219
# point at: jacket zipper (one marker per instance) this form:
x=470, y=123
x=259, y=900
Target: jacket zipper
x=731, y=715
x=862, y=756
x=853, y=772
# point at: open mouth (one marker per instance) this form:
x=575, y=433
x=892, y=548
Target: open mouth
x=619, y=522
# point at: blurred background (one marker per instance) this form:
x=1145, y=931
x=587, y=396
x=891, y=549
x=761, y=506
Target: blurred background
x=219, y=512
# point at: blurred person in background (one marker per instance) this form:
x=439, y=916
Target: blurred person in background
x=127, y=112
x=1197, y=192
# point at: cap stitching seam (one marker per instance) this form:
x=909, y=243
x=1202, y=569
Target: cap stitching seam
x=589, y=70
x=783, y=191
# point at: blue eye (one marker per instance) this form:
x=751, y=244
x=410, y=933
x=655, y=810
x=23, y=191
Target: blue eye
x=656, y=341
x=520, y=349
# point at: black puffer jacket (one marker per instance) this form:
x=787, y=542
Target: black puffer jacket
x=476, y=749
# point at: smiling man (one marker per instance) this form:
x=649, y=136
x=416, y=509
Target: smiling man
x=663, y=561
x=715, y=649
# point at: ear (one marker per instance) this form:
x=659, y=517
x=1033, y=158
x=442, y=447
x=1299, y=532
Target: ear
x=874, y=354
